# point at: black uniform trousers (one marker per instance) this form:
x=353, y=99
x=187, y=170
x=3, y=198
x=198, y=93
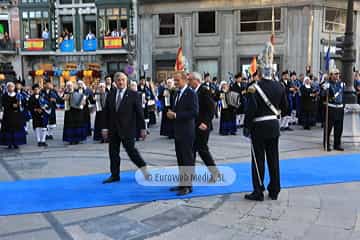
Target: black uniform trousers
x=336, y=121
x=185, y=160
x=266, y=147
x=201, y=146
x=114, y=152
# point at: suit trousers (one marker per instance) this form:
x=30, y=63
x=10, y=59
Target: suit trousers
x=270, y=148
x=114, y=152
x=201, y=146
x=185, y=160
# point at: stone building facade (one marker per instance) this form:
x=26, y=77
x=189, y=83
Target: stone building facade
x=222, y=36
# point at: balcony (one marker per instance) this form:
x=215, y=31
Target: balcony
x=7, y=47
x=104, y=45
x=5, y=2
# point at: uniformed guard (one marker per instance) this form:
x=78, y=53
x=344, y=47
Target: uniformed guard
x=335, y=91
x=266, y=98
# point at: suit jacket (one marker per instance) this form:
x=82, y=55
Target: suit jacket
x=276, y=94
x=206, y=107
x=124, y=121
x=187, y=110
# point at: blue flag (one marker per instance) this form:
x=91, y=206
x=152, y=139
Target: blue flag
x=327, y=60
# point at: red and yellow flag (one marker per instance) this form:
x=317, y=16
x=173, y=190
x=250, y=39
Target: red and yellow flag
x=272, y=37
x=180, y=65
x=253, y=66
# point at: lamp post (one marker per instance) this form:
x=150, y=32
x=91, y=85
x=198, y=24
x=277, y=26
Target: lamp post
x=348, y=57
x=352, y=109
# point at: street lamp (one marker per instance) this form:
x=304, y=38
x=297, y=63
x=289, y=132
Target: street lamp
x=348, y=57
x=352, y=109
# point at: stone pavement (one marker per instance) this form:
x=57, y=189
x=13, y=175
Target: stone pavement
x=310, y=213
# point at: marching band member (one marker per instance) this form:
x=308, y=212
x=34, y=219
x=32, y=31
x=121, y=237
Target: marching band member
x=100, y=99
x=89, y=101
x=308, y=104
x=335, y=90
x=266, y=98
x=167, y=97
x=12, y=133
x=52, y=97
x=286, y=116
x=228, y=113
x=24, y=97
x=239, y=86
x=74, y=130
x=40, y=109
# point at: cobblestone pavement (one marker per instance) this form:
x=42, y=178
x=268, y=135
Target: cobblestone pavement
x=317, y=212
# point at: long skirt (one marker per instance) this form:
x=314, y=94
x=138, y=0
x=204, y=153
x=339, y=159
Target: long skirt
x=167, y=126
x=228, y=122
x=75, y=129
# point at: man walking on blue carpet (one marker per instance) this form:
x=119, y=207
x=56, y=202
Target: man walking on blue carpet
x=123, y=111
x=262, y=125
x=184, y=114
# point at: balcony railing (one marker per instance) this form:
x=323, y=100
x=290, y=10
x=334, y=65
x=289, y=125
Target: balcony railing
x=7, y=45
x=5, y=2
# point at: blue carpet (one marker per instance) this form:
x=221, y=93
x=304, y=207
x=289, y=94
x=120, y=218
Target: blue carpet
x=44, y=195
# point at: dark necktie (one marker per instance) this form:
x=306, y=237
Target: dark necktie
x=118, y=99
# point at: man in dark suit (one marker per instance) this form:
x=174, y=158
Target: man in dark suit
x=203, y=123
x=184, y=114
x=123, y=111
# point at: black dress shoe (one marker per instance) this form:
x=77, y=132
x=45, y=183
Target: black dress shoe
x=175, y=189
x=111, y=179
x=273, y=196
x=39, y=144
x=16, y=147
x=254, y=196
x=329, y=149
x=184, y=191
x=44, y=144
x=339, y=148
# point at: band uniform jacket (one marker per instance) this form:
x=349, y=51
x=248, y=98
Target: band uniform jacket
x=257, y=108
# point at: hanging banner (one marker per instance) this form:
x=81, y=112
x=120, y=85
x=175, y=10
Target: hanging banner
x=34, y=44
x=112, y=42
x=67, y=46
x=90, y=45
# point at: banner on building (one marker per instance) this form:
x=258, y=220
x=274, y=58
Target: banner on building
x=34, y=44
x=67, y=46
x=90, y=45
x=112, y=42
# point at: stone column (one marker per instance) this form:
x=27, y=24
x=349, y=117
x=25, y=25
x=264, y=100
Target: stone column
x=146, y=42
x=226, y=30
x=188, y=41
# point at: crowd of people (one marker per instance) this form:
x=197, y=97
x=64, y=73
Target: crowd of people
x=304, y=95
x=186, y=104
